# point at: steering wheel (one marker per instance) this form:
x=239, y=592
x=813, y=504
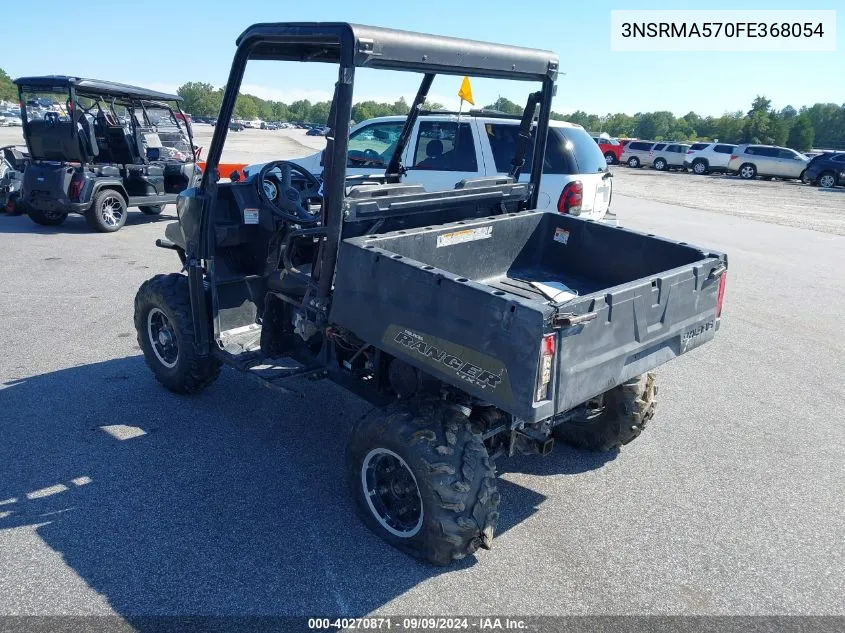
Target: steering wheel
x=290, y=203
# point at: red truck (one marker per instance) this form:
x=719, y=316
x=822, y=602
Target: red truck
x=610, y=147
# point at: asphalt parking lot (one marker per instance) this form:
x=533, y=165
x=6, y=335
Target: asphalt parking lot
x=120, y=497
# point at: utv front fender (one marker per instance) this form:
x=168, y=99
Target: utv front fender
x=173, y=233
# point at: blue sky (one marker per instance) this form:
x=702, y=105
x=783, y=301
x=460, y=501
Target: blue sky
x=182, y=41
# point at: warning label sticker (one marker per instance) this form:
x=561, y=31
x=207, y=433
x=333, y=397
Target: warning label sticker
x=561, y=235
x=467, y=235
x=250, y=216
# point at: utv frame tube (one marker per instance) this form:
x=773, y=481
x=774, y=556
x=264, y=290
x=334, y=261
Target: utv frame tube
x=394, y=168
x=348, y=46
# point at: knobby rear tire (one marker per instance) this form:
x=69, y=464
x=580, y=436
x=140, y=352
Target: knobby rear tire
x=627, y=410
x=452, y=470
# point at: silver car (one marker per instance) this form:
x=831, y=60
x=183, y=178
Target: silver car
x=672, y=156
x=750, y=161
x=637, y=153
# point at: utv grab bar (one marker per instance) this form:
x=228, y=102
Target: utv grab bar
x=162, y=243
x=571, y=320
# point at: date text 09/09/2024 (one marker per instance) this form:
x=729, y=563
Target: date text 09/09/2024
x=418, y=623
x=722, y=29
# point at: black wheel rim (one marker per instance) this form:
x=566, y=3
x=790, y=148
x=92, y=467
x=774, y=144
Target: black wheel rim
x=392, y=494
x=162, y=338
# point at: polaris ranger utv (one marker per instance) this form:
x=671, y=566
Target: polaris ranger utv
x=478, y=326
x=101, y=148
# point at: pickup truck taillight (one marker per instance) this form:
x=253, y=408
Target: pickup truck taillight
x=571, y=198
x=544, y=373
x=720, y=297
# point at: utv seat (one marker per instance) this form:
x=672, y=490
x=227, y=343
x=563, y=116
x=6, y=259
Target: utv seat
x=119, y=145
x=145, y=170
x=87, y=136
x=54, y=141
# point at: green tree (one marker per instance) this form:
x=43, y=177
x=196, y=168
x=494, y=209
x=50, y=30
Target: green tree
x=802, y=134
x=828, y=121
x=759, y=126
x=319, y=113
x=8, y=90
x=431, y=106
x=300, y=110
x=729, y=127
x=620, y=125
x=505, y=105
x=246, y=107
x=655, y=125
x=401, y=106
x=199, y=98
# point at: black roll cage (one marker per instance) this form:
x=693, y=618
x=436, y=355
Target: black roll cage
x=350, y=46
x=130, y=97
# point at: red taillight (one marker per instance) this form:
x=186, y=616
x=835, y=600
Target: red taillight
x=720, y=297
x=734, y=156
x=544, y=372
x=571, y=198
x=690, y=151
x=548, y=345
x=76, y=187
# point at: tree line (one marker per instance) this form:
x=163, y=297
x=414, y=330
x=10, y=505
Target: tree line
x=818, y=125
x=203, y=99
x=8, y=90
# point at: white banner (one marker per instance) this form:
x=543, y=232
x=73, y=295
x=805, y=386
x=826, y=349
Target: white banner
x=723, y=30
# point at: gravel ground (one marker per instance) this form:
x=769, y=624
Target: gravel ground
x=789, y=203
x=257, y=146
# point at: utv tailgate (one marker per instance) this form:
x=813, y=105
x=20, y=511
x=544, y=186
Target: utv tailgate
x=470, y=303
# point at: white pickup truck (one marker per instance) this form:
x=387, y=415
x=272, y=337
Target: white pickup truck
x=446, y=148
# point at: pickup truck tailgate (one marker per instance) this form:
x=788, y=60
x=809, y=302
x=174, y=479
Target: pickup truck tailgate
x=473, y=303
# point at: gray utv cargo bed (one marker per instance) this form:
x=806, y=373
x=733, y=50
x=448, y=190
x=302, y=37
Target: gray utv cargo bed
x=469, y=302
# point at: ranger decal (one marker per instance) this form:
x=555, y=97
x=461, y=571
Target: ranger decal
x=481, y=371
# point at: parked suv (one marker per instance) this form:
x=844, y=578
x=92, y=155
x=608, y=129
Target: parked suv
x=669, y=156
x=610, y=147
x=826, y=170
x=750, y=161
x=704, y=158
x=445, y=149
x=637, y=153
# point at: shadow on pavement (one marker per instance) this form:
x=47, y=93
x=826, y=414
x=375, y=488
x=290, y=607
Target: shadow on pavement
x=232, y=502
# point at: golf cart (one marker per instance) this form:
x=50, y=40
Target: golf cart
x=477, y=326
x=13, y=162
x=109, y=147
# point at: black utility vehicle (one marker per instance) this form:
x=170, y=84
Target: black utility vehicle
x=477, y=325
x=111, y=146
x=13, y=162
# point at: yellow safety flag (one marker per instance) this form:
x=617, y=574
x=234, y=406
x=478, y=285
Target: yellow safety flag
x=465, y=92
